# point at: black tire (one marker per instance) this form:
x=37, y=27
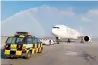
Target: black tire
x=28, y=55
x=7, y=57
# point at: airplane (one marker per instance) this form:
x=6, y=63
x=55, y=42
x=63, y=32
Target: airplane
x=62, y=31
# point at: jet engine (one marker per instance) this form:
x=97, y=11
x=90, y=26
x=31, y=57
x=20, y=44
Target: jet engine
x=86, y=38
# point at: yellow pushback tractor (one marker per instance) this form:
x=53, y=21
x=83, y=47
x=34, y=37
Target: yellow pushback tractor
x=22, y=44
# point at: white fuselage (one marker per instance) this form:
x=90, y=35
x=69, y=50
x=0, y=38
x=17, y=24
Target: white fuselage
x=62, y=31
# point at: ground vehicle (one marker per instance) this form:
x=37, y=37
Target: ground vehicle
x=22, y=45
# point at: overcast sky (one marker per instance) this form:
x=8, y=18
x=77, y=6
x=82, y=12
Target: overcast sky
x=39, y=17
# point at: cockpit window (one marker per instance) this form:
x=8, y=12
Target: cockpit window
x=57, y=27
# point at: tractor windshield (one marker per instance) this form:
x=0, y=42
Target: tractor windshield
x=14, y=40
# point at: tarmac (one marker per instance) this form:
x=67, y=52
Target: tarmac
x=73, y=53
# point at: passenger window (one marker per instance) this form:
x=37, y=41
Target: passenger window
x=13, y=40
x=29, y=41
x=38, y=41
x=34, y=40
x=19, y=40
x=25, y=40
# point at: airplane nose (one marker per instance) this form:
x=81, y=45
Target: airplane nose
x=53, y=31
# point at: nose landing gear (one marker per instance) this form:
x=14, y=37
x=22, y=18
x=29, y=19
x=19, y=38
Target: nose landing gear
x=57, y=40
